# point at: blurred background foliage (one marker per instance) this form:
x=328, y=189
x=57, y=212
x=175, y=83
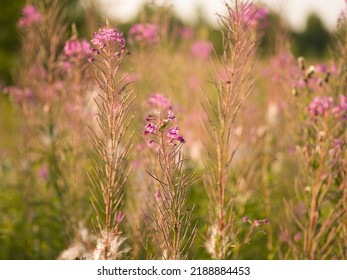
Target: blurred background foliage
x=312, y=42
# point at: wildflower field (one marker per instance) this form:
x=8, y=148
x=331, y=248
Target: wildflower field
x=159, y=140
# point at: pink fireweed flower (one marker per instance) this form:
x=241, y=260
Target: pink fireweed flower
x=320, y=106
x=250, y=14
x=338, y=144
x=254, y=16
x=297, y=236
x=282, y=60
x=301, y=83
x=106, y=36
x=341, y=109
x=160, y=120
x=173, y=135
x=321, y=68
x=334, y=69
x=160, y=101
x=19, y=95
x=162, y=106
x=201, y=49
x=43, y=173
x=171, y=115
x=30, y=15
x=77, y=48
x=146, y=32
x=187, y=33
x=150, y=129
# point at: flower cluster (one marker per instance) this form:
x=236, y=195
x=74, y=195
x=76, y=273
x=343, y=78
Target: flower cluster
x=173, y=135
x=341, y=109
x=312, y=78
x=43, y=172
x=77, y=49
x=107, y=36
x=30, y=15
x=338, y=144
x=321, y=68
x=151, y=129
x=187, y=32
x=20, y=95
x=146, y=32
x=158, y=122
x=159, y=100
x=322, y=106
x=201, y=49
x=254, y=16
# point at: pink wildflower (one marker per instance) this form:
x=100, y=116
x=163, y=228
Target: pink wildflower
x=107, y=36
x=321, y=68
x=171, y=114
x=19, y=95
x=252, y=15
x=43, y=173
x=334, y=69
x=320, y=106
x=202, y=49
x=338, y=144
x=77, y=48
x=150, y=129
x=255, y=16
x=301, y=83
x=341, y=109
x=146, y=32
x=159, y=100
x=172, y=134
x=160, y=120
x=30, y=15
x=297, y=236
x=187, y=33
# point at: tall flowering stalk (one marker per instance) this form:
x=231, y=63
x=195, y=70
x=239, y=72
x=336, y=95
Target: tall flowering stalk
x=76, y=110
x=234, y=85
x=169, y=221
x=341, y=55
x=111, y=147
x=40, y=88
x=317, y=216
x=316, y=227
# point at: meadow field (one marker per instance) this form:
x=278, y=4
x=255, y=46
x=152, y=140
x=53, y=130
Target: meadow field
x=159, y=140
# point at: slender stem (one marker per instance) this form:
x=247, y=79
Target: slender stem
x=110, y=153
x=310, y=247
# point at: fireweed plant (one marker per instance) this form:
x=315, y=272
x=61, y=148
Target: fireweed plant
x=169, y=221
x=111, y=147
x=234, y=85
x=77, y=112
x=317, y=215
x=39, y=96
